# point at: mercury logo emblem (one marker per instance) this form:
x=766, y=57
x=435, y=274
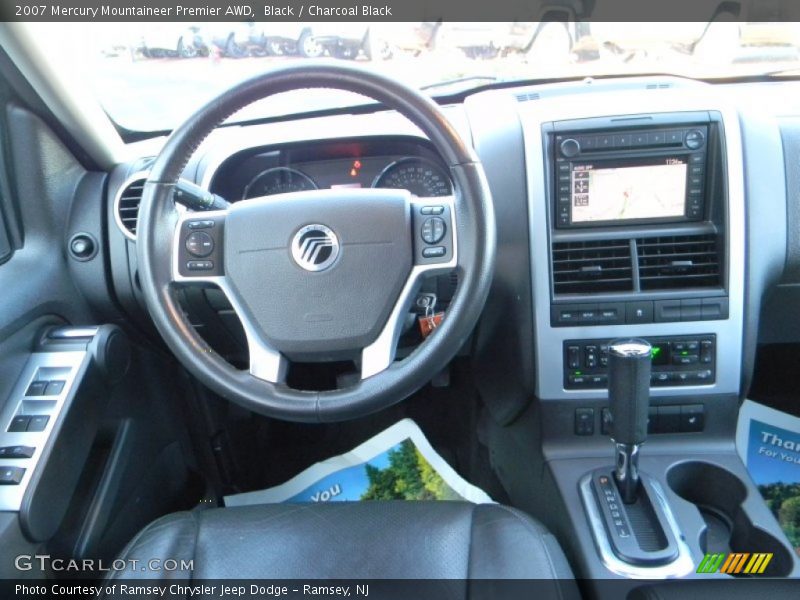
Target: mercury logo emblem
x=315, y=247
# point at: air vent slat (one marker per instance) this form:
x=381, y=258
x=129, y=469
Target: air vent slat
x=592, y=267
x=679, y=262
x=127, y=206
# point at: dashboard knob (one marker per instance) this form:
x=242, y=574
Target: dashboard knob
x=694, y=139
x=570, y=147
x=82, y=246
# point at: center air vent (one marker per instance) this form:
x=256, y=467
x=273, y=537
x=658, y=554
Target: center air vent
x=592, y=267
x=126, y=206
x=678, y=262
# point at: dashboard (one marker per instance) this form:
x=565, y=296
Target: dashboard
x=624, y=208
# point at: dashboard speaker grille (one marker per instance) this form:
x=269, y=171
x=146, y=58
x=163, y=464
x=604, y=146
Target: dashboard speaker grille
x=592, y=267
x=679, y=262
x=128, y=204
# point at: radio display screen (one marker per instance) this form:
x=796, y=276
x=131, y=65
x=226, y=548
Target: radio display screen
x=632, y=189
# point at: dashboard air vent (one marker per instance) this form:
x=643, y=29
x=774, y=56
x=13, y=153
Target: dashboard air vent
x=678, y=262
x=527, y=96
x=127, y=205
x=592, y=267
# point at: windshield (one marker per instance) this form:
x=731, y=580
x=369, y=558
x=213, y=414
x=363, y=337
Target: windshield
x=151, y=76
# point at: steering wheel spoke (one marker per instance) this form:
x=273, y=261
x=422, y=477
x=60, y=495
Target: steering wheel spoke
x=198, y=257
x=435, y=252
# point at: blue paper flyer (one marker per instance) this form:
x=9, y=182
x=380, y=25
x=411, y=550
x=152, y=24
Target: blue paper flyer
x=769, y=443
x=397, y=464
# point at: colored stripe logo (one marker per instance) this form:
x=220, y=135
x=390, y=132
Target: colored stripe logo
x=735, y=563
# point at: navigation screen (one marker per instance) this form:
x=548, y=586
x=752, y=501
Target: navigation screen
x=642, y=189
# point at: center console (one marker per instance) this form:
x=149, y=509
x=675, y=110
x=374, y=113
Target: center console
x=640, y=240
x=637, y=231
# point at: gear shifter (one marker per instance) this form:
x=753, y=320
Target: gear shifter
x=629, y=394
x=630, y=511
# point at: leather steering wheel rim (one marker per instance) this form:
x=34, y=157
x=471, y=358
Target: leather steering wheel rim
x=473, y=214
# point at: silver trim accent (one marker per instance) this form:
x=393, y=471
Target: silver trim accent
x=630, y=347
x=306, y=253
x=11, y=495
x=69, y=333
x=549, y=340
x=681, y=566
x=627, y=470
x=139, y=175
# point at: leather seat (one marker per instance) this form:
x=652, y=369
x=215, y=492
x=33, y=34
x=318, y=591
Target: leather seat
x=359, y=540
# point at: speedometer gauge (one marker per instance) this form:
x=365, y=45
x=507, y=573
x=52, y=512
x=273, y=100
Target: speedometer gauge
x=278, y=180
x=419, y=176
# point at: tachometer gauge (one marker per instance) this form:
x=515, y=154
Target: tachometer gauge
x=419, y=176
x=278, y=180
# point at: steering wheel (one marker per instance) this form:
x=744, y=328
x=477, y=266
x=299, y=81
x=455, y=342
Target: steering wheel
x=318, y=275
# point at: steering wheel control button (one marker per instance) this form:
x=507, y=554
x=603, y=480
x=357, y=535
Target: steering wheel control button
x=17, y=451
x=200, y=224
x=432, y=210
x=694, y=139
x=433, y=230
x=37, y=423
x=199, y=243
x=434, y=252
x=200, y=265
x=19, y=423
x=315, y=247
x=11, y=475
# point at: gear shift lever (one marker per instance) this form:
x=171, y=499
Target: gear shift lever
x=629, y=394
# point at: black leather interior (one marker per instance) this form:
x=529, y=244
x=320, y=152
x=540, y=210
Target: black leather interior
x=358, y=540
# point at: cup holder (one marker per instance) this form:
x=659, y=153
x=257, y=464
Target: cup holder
x=720, y=496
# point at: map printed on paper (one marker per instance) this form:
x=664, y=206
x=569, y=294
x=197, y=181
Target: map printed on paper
x=631, y=192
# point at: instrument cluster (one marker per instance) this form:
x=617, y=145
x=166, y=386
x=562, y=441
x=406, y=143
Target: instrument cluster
x=395, y=163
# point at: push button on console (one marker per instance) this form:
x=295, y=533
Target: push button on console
x=639, y=312
x=584, y=421
x=692, y=418
x=11, y=475
x=17, y=451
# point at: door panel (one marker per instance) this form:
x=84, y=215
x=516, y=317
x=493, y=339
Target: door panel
x=36, y=280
